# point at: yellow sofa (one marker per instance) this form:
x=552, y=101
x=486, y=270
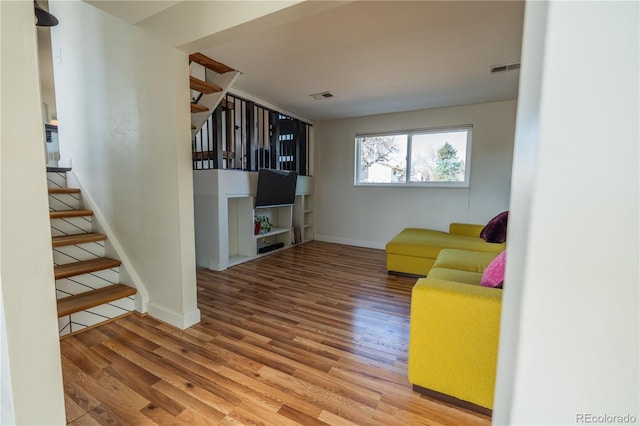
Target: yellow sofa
x=414, y=251
x=454, y=329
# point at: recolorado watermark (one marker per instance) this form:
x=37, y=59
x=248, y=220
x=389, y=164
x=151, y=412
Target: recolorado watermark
x=605, y=419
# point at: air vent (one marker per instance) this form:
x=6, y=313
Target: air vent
x=322, y=95
x=505, y=67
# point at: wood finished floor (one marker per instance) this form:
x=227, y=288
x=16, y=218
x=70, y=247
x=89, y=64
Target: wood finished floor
x=313, y=335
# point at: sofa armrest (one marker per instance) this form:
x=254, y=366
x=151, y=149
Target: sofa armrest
x=467, y=229
x=453, y=344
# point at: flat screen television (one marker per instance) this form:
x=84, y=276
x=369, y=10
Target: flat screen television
x=276, y=188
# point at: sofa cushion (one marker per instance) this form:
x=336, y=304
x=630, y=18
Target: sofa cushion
x=468, y=229
x=493, y=275
x=428, y=243
x=464, y=260
x=456, y=275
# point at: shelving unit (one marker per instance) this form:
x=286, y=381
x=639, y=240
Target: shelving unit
x=281, y=218
x=224, y=207
x=242, y=246
x=303, y=218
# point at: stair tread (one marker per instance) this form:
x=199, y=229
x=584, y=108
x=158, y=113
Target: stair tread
x=92, y=298
x=69, y=240
x=84, y=267
x=207, y=62
x=64, y=190
x=61, y=214
x=198, y=108
x=58, y=169
x=203, y=86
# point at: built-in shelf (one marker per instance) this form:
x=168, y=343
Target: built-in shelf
x=225, y=212
x=237, y=259
x=303, y=218
x=274, y=231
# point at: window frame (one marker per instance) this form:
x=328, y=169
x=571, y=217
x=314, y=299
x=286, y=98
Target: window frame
x=410, y=134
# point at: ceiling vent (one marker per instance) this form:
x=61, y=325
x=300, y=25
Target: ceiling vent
x=322, y=95
x=505, y=67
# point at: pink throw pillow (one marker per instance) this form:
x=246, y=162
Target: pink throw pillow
x=493, y=275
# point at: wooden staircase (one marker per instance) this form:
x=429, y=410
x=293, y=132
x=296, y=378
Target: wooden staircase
x=87, y=282
x=209, y=81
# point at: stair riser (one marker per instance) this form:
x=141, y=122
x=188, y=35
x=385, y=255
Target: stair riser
x=58, y=202
x=69, y=254
x=71, y=225
x=96, y=315
x=81, y=283
x=56, y=180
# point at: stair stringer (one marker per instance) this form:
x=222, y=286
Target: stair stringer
x=211, y=101
x=128, y=274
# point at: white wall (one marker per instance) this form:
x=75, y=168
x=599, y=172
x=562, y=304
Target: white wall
x=47, y=91
x=371, y=216
x=123, y=114
x=570, y=326
x=30, y=363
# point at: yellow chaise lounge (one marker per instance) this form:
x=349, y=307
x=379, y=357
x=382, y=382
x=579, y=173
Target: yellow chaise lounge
x=414, y=250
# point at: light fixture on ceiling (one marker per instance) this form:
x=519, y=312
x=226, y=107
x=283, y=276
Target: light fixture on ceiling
x=44, y=18
x=321, y=95
x=505, y=67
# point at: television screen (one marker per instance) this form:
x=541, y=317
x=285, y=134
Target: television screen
x=276, y=188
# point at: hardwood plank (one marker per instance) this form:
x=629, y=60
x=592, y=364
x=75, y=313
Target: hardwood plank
x=316, y=334
x=84, y=267
x=86, y=420
x=69, y=240
x=203, y=86
x=77, y=402
x=207, y=62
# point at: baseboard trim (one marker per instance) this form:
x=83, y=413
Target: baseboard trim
x=448, y=399
x=181, y=321
x=405, y=274
x=348, y=242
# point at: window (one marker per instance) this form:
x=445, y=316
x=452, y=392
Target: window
x=433, y=157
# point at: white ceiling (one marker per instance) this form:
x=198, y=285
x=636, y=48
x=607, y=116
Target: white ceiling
x=132, y=11
x=382, y=56
x=373, y=56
